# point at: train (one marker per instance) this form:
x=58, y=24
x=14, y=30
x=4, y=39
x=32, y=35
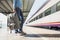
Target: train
x=48, y=15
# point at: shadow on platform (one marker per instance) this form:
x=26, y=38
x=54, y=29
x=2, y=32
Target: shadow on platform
x=42, y=35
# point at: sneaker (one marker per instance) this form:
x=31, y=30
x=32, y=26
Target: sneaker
x=23, y=33
x=19, y=32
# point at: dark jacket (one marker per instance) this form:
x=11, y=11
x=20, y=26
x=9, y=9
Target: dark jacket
x=14, y=19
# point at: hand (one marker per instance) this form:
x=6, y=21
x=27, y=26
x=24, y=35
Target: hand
x=14, y=11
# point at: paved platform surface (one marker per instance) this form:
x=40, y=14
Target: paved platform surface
x=44, y=34
x=32, y=34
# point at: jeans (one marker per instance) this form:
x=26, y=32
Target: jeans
x=20, y=16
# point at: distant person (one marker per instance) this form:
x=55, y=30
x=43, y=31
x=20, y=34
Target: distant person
x=18, y=11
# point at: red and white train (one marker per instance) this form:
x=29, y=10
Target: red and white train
x=47, y=15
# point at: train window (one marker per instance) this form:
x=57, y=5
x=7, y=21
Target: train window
x=41, y=15
x=48, y=12
x=58, y=6
x=30, y=21
x=33, y=19
x=36, y=17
